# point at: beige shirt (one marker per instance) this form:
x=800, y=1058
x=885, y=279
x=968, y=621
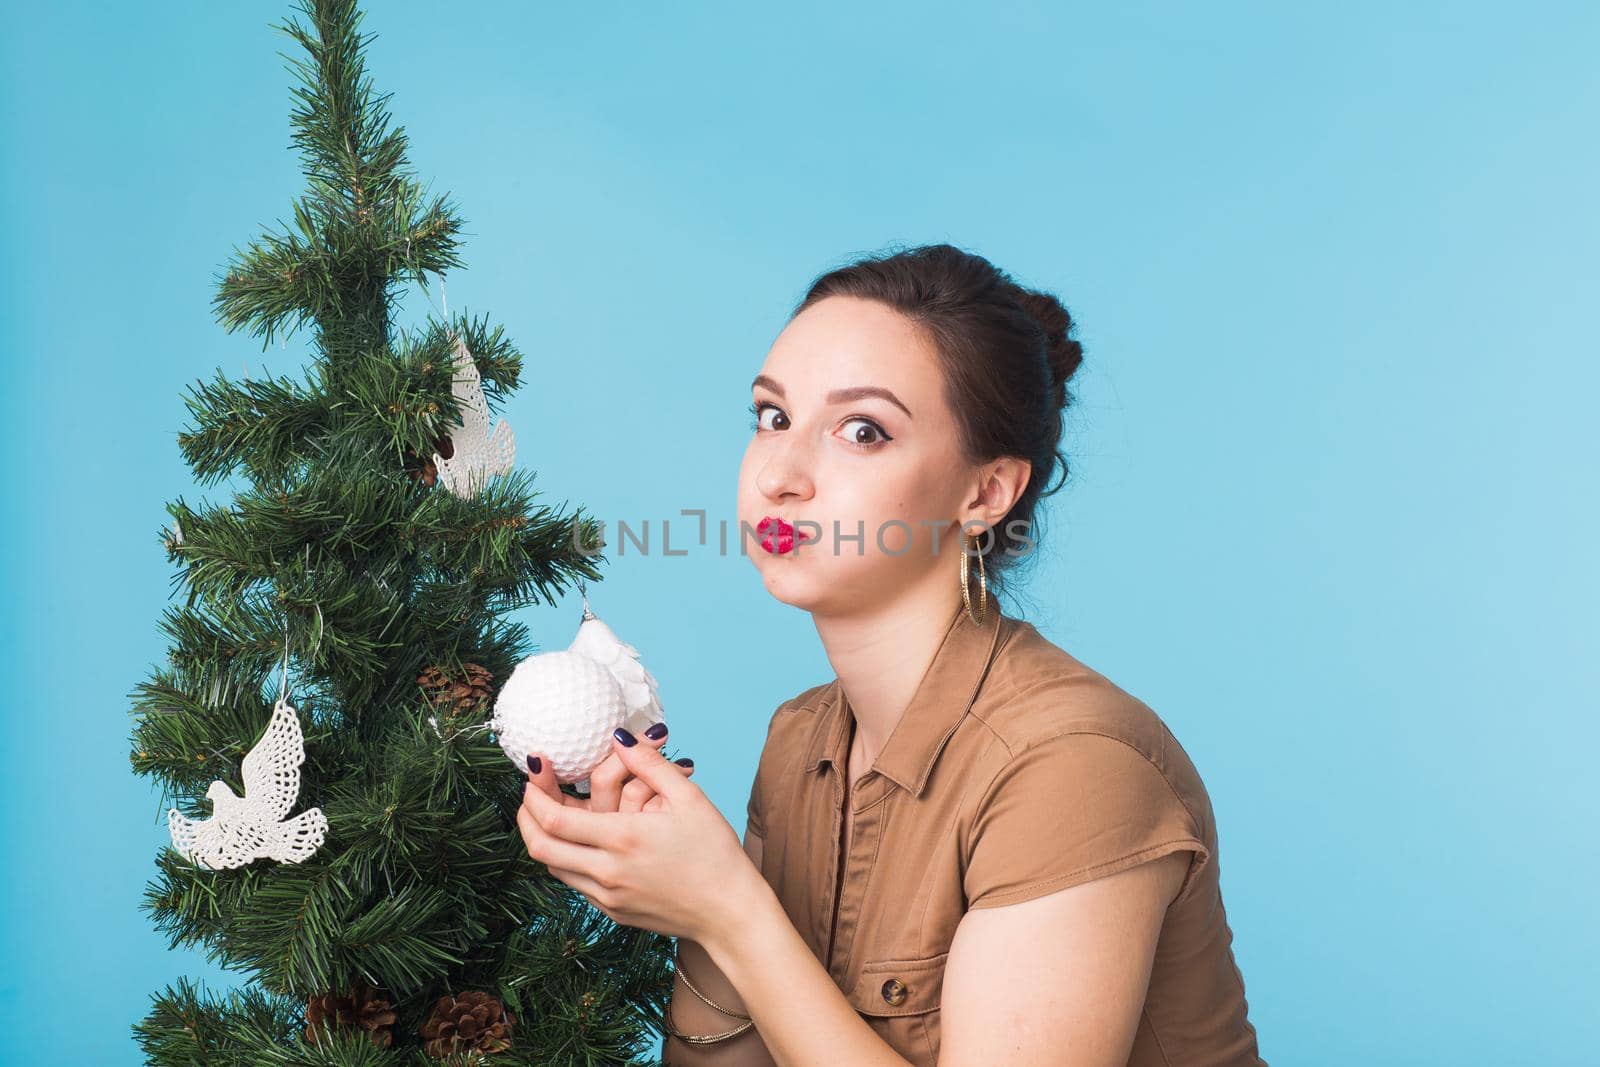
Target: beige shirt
x=1014, y=772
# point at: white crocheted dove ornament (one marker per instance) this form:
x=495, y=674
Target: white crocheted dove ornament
x=564, y=705
x=255, y=826
x=475, y=454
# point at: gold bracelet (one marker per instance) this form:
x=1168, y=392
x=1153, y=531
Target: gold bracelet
x=678, y=963
x=701, y=1039
x=707, y=1039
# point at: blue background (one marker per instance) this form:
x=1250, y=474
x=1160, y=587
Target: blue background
x=1334, y=511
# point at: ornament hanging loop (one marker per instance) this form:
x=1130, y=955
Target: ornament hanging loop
x=422, y=280
x=283, y=689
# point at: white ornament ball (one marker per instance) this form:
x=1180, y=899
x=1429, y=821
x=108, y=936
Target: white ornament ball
x=563, y=706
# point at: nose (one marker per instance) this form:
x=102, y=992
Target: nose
x=785, y=472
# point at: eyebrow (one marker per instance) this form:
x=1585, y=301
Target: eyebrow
x=839, y=396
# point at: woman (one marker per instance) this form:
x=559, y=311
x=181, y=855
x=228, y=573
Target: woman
x=968, y=847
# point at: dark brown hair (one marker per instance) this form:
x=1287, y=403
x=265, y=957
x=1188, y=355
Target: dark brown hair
x=1007, y=354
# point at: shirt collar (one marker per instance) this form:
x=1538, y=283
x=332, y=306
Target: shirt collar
x=942, y=698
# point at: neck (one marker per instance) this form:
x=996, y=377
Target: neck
x=881, y=653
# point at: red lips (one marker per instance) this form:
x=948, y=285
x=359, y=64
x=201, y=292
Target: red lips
x=778, y=534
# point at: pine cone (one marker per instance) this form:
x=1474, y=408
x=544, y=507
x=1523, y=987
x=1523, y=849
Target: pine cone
x=422, y=468
x=475, y=1021
x=364, y=1007
x=461, y=694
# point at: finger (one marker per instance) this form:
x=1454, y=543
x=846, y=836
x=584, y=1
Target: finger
x=592, y=890
x=607, y=780
x=545, y=779
x=587, y=886
x=576, y=826
x=637, y=792
x=551, y=850
x=648, y=763
x=634, y=795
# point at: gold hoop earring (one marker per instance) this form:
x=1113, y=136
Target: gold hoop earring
x=966, y=586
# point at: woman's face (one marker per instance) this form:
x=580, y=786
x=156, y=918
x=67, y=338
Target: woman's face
x=884, y=467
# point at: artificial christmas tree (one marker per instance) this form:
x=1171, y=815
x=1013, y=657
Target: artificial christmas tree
x=356, y=581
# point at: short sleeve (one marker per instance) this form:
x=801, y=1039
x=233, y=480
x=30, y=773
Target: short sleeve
x=755, y=809
x=755, y=823
x=1071, y=809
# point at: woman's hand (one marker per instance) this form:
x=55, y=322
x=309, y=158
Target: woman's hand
x=612, y=786
x=673, y=865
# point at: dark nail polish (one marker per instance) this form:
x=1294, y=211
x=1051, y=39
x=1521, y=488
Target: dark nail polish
x=534, y=764
x=625, y=737
x=684, y=762
x=657, y=732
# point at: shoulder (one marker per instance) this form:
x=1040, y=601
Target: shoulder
x=790, y=731
x=807, y=700
x=1042, y=707
x=791, y=725
x=798, y=715
x=1074, y=778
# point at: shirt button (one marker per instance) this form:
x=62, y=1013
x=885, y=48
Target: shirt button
x=894, y=992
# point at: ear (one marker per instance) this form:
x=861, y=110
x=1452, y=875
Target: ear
x=1001, y=483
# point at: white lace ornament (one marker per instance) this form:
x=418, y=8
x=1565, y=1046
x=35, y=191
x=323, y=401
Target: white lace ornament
x=256, y=826
x=476, y=455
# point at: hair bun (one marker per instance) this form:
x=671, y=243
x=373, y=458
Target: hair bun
x=1065, y=354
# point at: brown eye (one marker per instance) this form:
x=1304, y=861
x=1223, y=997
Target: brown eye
x=780, y=420
x=868, y=433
